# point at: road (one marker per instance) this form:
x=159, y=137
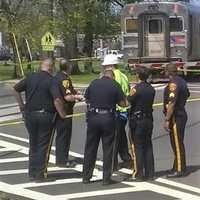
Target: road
x=15, y=184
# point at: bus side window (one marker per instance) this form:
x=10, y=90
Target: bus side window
x=175, y=24
x=131, y=26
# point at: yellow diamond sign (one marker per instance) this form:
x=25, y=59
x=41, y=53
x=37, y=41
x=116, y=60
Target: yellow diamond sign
x=48, y=42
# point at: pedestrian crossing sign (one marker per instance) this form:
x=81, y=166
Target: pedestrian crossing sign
x=48, y=42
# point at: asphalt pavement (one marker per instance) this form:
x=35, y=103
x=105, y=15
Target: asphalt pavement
x=14, y=182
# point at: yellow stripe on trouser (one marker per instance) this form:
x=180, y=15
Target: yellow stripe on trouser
x=134, y=160
x=133, y=155
x=177, y=145
x=48, y=152
x=49, y=147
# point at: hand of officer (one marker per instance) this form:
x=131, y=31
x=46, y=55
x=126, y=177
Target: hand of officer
x=166, y=126
x=79, y=97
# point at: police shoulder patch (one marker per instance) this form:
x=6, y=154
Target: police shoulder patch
x=65, y=84
x=172, y=87
x=68, y=91
x=171, y=95
x=132, y=91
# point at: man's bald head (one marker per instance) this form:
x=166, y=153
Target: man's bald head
x=171, y=69
x=64, y=65
x=47, y=65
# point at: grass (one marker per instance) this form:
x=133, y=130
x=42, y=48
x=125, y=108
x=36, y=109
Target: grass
x=7, y=72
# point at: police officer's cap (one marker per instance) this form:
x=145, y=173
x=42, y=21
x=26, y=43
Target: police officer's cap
x=171, y=68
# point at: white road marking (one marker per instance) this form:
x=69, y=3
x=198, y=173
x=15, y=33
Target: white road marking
x=99, y=193
x=164, y=190
x=12, y=189
x=14, y=159
x=10, y=118
x=169, y=182
x=137, y=186
x=8, y=105
x=194, y=91
x=8, y=149
x=193, y=85
x=56, y=182
x=180, y=185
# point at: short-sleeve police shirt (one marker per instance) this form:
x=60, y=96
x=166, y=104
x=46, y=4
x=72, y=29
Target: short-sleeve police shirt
x=65, y=87
x=104, y=93
x=176, y=92
x=39, y=91
x=64, y=83
x=141, y=97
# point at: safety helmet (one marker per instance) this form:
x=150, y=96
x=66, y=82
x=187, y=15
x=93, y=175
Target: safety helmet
x=110, y=59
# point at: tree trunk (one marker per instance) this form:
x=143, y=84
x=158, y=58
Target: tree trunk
x=71, y=51
x=16, y=73
x=88, y=46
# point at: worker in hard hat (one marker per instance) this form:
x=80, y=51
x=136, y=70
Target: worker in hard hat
x=111, y=61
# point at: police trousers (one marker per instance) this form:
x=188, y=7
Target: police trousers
x=40, y=129
x=141, y=147
x=121, y=143
x=99, y=126
x=63, y=139
x=177, y=132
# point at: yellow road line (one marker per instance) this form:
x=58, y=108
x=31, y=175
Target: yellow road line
x=7, y=123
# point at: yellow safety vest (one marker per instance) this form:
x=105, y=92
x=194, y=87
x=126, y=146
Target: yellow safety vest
x=122, y=79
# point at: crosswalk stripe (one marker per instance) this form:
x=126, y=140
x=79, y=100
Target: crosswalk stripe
x=98, y=174
x=8, y=160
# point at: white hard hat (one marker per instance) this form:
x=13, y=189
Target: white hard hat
x=110, y=59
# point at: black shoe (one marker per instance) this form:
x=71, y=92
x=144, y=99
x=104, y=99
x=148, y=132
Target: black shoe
x=86, y=181
x=177, y=175
x=136, y=179
x=31, y=178
x=108, y=182
x=116, y=168
x=150, y=178
x=126, y=164
x=171, y=171
x=68, y=164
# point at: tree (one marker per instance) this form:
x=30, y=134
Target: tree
x=19, y=17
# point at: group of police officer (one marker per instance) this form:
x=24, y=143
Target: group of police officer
x=49, y=106
x=110, y=103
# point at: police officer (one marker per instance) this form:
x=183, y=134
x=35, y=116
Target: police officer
x=64, y=126
x=141, y=99
x=102, y=95
x=176, y=94
x=39, y=111
x=121, y=145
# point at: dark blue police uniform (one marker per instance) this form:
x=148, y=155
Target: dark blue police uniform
x=102, y=95
x=177, y=92
x=141, y=99
x=39, y=119
x=64, y=126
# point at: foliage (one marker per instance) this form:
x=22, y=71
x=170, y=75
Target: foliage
x=66, y=19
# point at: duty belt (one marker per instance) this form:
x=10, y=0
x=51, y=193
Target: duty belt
x=42, y=111
x=100, y=110
x=140, y=114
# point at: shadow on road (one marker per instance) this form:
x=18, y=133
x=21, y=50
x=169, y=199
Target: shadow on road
x=190, y=169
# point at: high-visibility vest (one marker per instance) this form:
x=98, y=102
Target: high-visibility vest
x=122, y=79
